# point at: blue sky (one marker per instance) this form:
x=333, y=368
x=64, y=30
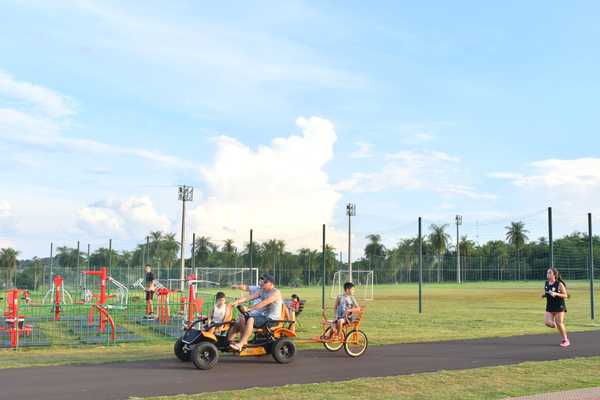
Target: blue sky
x=406, y=109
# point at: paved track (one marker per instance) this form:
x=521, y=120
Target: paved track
x=169, y=377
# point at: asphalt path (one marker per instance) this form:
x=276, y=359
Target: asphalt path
x=170, y=377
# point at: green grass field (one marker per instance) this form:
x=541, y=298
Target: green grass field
x=481, y=383
x=471, y=310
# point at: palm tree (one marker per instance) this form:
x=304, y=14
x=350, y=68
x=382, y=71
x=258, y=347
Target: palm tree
x=516, y=236
x=439, y=241
x=8, y=260
x=169, y=250
x=156, y=251
x=204, y=249
x=374, y=248
x=230, y=250
x=304, y=261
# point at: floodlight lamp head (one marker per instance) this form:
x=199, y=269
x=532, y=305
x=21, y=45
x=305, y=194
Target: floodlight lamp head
x=185, y=193
x=351, y=209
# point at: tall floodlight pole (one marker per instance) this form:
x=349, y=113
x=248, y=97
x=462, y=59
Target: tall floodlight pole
x=323, y=273
x=458, y=223
x=186, y=193
x=51, y=259
x=193, y=253
x=147, y=251
x=591, y=264
x=350, y=212
x=420, y=269
x=78, y=257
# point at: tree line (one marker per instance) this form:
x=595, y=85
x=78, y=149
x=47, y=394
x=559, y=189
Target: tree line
x=303, y=267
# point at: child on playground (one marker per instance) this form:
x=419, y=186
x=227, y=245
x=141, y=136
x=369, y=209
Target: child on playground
x=555, y=292
x=219, y=312
x=149, y=288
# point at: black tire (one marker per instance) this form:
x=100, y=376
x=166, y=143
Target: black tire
x=333, y=346
x=205, y=355
x=181, y=353
x=356, y=343
x=283, y=351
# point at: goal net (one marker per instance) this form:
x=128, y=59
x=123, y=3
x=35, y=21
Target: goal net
x=227, y=276
x=363, y=283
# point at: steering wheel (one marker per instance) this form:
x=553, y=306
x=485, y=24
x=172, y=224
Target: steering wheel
x=243, y=310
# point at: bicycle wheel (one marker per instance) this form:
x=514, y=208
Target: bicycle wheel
x=333, y=346
x=356, y=343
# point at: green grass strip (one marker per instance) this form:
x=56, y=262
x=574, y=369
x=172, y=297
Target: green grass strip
x=481, y=383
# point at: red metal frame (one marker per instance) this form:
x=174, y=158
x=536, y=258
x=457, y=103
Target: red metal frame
x=164, y=315
x=103, y=314
x=15, y=323
x=58, y=282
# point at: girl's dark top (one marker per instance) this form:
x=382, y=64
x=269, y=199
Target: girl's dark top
x=554, y=304
x=149, y=278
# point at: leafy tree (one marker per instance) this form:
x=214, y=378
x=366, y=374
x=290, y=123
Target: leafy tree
x=516, y=236
x=439, y=239
x=8, y=261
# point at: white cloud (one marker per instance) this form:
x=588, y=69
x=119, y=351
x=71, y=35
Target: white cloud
x=231, y=54
x=127, y=219
x=570, y=186
x=463, y=191
x=552, y=173
x=8, y=220
x=43, y=100
x=19, y=124
x=504, y=175
x=581, y=172
x=414, y=170
x=363, y=150
x=408, y=170
x=280, y=190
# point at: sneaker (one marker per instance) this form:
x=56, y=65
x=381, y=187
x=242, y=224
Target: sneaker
x=565, y=343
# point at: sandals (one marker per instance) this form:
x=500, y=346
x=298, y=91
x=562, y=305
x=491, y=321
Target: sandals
x=236, y=347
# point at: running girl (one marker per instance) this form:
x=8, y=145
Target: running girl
x=555, y=292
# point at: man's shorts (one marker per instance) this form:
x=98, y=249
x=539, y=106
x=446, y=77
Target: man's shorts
x=149, y=295
x=259, y=320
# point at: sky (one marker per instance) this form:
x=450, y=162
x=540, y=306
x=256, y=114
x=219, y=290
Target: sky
x=281, y=113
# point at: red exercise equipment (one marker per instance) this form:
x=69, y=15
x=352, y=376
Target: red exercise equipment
x=15, y=323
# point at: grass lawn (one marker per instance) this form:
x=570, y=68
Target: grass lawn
x=471, y=310
x=481, y=383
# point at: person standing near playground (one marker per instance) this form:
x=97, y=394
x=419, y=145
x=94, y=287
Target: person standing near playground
x=555, y=292
x=149, y=288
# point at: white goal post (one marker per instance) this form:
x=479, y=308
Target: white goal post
x=223, y=276
x=363, y=283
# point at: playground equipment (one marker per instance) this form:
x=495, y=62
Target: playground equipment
x=174, y=284
x=58, y=294
x=14, y=323
x=164, y=314
x=121, y=296
x=201, y=346
x=101, y=306
x=139, y=284
x=191, y=306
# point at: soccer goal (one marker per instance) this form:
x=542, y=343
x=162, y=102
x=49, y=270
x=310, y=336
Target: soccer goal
x=363, y=283
x=228, y=276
